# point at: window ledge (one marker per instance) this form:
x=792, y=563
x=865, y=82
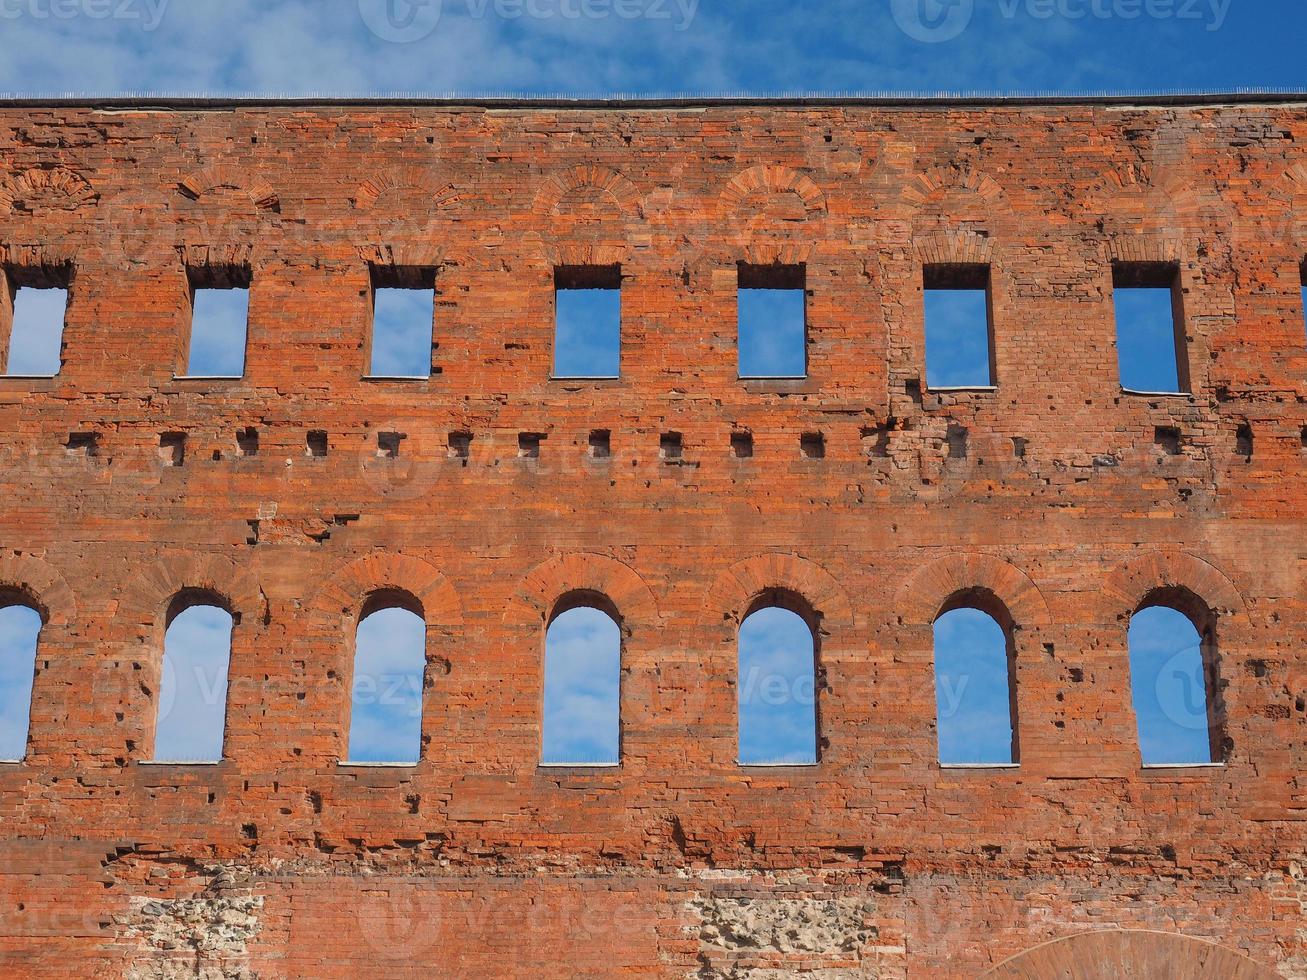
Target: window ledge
x=1156, y=394
x=12, y=762
x=778, y=765
x=772, y=377
x=1152, y=766
x=348, y=764
x=579, y=765
x=29, y=377
x=208, y=377
x=960, y=389
x=410, y=378
x=583, y=378
x=980, y=765
x=179, y=762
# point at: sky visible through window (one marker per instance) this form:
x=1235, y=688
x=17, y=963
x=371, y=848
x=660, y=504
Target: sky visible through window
x=582, y=689
x=20, y=628
x=772, y=333
x=1145, y=339
x=776, y=693
x=193, y=693
x=972, y=689
x=385, y=721
x=37, y=334
x=402, y=327
x=588, y=332
x=218, y=326
x=1169, y=692
x=957, y=338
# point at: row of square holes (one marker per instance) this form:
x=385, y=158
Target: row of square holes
x=172, y=445
x=812, y=445
x=772, y=322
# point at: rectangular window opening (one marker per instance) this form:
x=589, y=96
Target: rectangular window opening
x=771, y=305
x=38, y=306
x=1302, y=292
x=403, y=322
x=959, y=326
x=220, y=307
x=587, y=321
x=1150, y=340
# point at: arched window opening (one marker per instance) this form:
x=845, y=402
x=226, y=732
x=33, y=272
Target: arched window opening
x=975, y=684
x=20, y=628
x=193, y=693
x=390, y=657
x=1173, y=680
x=777, y=686
x=582, y=695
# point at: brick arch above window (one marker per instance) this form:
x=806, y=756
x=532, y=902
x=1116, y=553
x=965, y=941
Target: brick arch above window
x=936, y=184
x=737, y=590
x=214, y=182
x=1120, y=952
x=403, y=188
x=921, y=598
x=341, y=599
x=774, y=181
x=623, y=195
x=537, y=598
x=40, y=191
x=32, y=581
x=1130, y=582
x=146, y=599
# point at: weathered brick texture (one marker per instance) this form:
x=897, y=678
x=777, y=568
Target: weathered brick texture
x=874, y=863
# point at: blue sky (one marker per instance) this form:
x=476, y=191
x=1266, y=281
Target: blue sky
x=218, y=331
x=402, y=328
x=587, y=338
x=957, y=338
x=646, y=46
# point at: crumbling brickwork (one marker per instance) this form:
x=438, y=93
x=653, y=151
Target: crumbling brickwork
x=1053, y=491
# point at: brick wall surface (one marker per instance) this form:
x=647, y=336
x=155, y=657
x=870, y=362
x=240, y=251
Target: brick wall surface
x=875, y=863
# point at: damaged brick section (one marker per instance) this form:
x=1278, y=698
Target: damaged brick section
x=204, y=938
x=758, y=938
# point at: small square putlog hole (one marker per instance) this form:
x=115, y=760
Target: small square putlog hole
x=388, y=444
x=742, y=444
x=670, y=446
x=528, y=444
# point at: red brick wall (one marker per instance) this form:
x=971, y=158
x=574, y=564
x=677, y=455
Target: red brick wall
x=477, y=863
